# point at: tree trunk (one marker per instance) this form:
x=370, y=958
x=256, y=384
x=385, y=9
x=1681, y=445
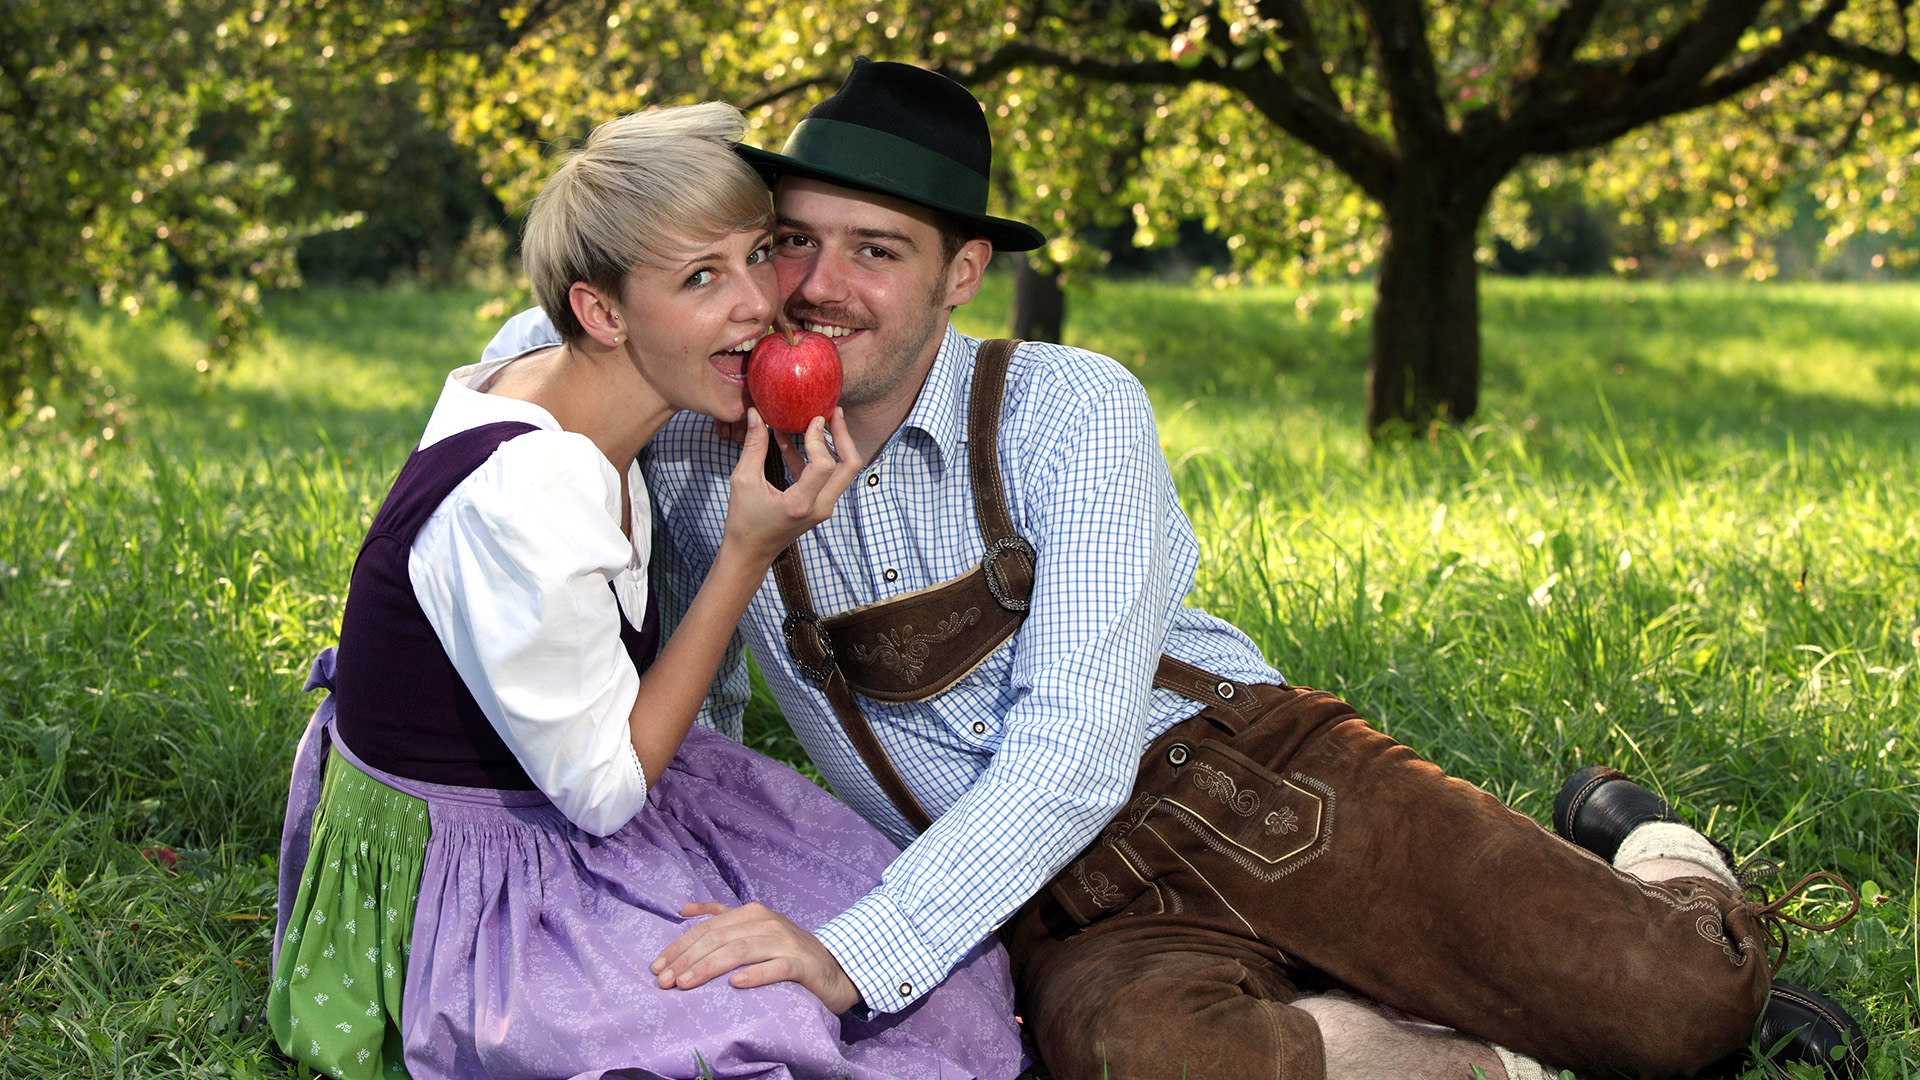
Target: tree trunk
x=1039, y=304
x=1426, y=321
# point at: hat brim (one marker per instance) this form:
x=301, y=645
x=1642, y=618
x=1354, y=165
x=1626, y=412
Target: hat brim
x=1004, y=233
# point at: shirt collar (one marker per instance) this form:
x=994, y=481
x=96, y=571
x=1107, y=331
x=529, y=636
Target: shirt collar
x=940, y=412
x=462, y=405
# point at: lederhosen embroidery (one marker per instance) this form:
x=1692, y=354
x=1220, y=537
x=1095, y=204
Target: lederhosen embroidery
x=887, y=650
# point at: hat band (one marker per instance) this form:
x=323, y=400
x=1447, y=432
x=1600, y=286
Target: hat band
x=888, y=162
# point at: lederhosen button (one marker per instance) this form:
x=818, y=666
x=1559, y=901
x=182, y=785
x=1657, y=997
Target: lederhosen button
x=1177, y=755
x=1226, y=690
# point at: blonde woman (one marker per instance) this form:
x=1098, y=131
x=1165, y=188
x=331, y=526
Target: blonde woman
x=502, y=814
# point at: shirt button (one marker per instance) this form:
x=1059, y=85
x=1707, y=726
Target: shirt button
x=906, y=990
x=979, y=727
x=892, y=574
x=873, y=479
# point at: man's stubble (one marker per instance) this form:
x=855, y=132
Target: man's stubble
x=897, y=354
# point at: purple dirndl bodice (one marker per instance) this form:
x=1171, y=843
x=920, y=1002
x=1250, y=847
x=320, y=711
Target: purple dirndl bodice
x=532, y=940
x=401, y=704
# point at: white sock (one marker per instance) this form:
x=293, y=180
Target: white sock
x=1672, y=840
x=1522, y=1068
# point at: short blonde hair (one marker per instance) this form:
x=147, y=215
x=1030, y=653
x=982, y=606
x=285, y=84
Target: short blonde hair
x=641, y=182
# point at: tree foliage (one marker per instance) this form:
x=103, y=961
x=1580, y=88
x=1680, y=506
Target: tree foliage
x=1342, y=138
x=1320, y=137
x=138, y=141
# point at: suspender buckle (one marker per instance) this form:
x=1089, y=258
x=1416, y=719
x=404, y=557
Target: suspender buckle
x=1012, y=591
x=811, y=652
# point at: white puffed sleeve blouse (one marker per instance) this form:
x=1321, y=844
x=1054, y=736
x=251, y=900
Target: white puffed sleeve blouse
x=512, y=572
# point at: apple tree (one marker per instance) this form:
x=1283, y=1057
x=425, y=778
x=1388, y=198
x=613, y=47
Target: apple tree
x=1320, y=137
x=138, y=137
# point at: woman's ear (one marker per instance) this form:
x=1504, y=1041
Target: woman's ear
x=597, y=314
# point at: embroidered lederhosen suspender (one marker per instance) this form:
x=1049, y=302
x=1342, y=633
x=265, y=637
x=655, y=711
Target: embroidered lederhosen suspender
x=885, y=650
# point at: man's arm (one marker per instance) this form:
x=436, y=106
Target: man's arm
x=1099, y=506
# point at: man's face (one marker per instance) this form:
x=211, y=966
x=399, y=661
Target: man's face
x=867, y=270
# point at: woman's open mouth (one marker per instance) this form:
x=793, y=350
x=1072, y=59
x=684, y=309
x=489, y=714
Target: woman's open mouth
x=731, y=362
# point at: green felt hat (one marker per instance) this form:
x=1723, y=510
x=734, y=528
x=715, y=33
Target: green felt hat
x=906, y=132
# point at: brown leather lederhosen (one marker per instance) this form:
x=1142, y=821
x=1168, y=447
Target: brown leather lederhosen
x=1226, y=875
x=885, y=651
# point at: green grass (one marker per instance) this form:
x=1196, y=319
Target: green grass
x=1682, y=537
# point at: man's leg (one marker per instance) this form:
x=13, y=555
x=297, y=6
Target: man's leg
x=1602, y=810
x=1364, y=1043
x=1290, y=822
x=1147, y=998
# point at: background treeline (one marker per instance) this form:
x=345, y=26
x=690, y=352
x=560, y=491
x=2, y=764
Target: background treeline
x=213, y=149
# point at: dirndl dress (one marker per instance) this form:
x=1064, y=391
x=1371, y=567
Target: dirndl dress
x=431, y=929
x=436, y=931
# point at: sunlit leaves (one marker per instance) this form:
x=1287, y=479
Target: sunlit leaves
x=138, y=141
x=1096, y=124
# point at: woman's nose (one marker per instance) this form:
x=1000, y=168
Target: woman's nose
x=760, y=299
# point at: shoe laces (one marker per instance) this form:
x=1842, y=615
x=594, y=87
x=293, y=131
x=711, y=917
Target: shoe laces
x=1771, y=912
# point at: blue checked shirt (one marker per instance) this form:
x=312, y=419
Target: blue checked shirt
x=1025, y=759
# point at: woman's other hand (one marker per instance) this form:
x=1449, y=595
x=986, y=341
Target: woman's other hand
x=764, y=519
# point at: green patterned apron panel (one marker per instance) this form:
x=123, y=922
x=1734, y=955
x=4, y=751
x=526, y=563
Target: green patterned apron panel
x=335, y=1000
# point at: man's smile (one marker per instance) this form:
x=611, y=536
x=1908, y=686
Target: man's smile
x=829, y=330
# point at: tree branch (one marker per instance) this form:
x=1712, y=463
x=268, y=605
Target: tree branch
x=1584, y=105
x=1901, y=66
x=1767, y=63
x=1557, y=40
x=1407, y=71
x=1553, y=49
x=1302, y=61
x=795, y=87
x=1320, y=124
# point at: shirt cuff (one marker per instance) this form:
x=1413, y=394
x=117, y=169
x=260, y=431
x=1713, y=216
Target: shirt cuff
x=882, y=953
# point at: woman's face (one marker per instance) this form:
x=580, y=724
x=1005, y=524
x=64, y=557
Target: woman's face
x=691, y=324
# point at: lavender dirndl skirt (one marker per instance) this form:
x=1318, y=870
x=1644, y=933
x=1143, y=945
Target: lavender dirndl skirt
x=531, y=940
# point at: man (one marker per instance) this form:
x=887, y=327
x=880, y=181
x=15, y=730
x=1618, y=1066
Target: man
x=1201, y=908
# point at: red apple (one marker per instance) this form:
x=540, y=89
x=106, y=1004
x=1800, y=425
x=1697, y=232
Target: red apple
x=794, y=376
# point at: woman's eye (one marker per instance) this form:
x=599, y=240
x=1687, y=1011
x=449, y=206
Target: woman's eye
x=699, y=278
x=760, y=254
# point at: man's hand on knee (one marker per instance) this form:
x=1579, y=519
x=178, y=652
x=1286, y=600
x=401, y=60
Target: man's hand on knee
x=760, y=946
